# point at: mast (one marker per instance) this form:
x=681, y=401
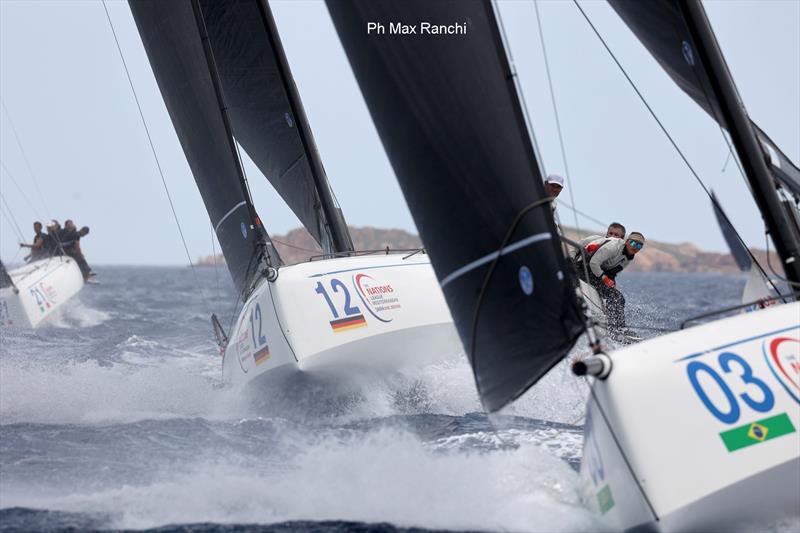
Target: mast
x=212, y=69
x=336, y=225
x=176, y=42
x=744, y=139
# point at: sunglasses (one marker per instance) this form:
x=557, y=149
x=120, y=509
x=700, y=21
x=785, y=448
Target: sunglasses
x=636, y=244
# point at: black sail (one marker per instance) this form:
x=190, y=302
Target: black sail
x=735, y=245
x=172, y=35
x=447, y=111
x=267, y=116
x=659, y=25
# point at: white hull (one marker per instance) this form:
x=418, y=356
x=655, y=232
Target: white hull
x=699, y=430
x=43, y=286
x=379, y=312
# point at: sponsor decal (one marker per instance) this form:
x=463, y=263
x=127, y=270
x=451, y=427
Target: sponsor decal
x=243, y=343
x=243, y=228
x=39, y=294
x=783, y=357
x=526, y=280
x=379, y=298
x=348, y=323
x=688, y=54
x=757, y=432
x=605, y=500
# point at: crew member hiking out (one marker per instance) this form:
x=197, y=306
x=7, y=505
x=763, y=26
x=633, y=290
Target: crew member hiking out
x=38, y=247
x=70, y=238
x=615, y=229
x=605, y=259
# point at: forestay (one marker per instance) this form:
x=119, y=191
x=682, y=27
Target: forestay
x=172, y=34
x=267, y=117
x=447, y=111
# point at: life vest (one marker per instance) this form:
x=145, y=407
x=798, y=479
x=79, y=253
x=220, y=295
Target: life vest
x=590, y=250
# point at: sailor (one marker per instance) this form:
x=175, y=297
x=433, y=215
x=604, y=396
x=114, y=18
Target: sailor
x=606, y=259
x=52, y=244
x=615, y=229
x=37, y=248
x=70, y=238
x=553, y=185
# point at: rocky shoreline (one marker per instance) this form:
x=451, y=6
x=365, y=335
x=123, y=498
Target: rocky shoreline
x=297, y=246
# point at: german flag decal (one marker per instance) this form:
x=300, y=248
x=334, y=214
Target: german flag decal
x=348, y=323
x=261, y=355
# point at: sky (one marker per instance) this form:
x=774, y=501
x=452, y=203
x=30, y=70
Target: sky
x=72, y=144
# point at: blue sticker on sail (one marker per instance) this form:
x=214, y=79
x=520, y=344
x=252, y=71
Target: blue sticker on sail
x=688, y=54
x=526, y=280
x=244, y=230
x=289, y=120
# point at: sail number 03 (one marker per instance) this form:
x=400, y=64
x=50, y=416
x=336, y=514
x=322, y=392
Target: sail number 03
x=758, y=397
x=336, y=285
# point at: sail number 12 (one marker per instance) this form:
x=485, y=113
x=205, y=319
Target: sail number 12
x=337, y=286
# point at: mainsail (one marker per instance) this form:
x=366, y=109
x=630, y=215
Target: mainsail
x=448, y=114
x=267, y=116
x=173, y=36
x=660, y=26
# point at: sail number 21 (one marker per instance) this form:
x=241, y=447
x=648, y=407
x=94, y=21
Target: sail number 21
x=758, y=397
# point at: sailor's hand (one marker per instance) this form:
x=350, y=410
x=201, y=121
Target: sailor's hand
x=609, y=282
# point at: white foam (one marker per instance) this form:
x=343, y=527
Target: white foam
x=387, y=475
x=75, y=314
x=87, y=392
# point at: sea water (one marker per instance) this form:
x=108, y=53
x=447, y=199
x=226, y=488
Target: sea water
x=114, y=417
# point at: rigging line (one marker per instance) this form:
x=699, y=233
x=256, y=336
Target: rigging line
x=555, y=111
x=295, y=247
x=671, y=140
x=214, y=257
x=581, y=213
x=155, y=156
x=25, y=157
x=793, y=285
x=518, y=89
x=24, y=196
x=10, y=216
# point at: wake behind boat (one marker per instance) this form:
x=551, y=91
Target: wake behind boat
x=34, y=291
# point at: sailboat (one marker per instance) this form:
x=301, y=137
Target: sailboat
x=695, y=430
x=32, y=292
x=226, y=83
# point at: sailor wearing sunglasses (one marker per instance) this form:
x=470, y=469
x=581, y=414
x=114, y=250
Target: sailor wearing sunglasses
x=606, y=259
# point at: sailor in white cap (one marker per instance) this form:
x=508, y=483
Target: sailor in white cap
x=553, y=185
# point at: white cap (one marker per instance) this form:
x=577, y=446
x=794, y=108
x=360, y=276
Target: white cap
x=555, y=178
x=52, y=224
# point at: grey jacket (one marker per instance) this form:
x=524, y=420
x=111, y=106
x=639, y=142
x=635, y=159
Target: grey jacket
x=610, y=257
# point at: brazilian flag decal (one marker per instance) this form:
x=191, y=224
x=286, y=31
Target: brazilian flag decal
x=757, y=432
x=605, y=500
